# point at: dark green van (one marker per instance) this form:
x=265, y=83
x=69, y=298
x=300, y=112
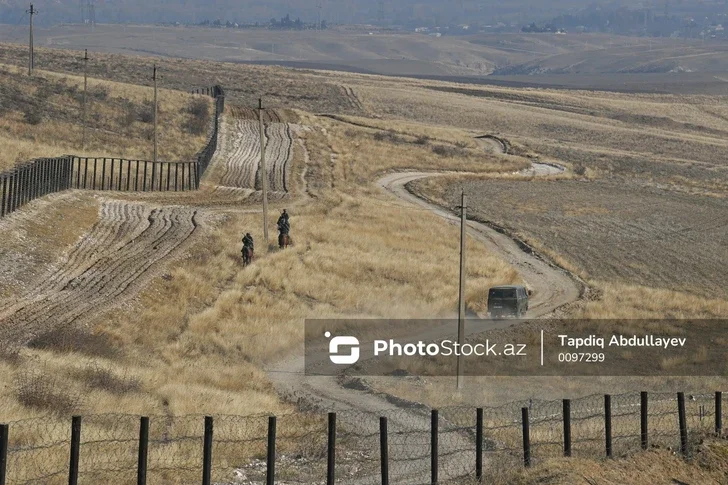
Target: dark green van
x=510, y=300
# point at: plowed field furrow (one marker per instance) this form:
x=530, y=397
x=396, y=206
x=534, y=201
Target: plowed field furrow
x=120, y=250
x=241, y=159
x=244, y=155
x=278, y=150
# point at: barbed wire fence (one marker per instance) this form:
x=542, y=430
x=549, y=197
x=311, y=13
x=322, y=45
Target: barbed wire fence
x=410, y=446
x=37, y=178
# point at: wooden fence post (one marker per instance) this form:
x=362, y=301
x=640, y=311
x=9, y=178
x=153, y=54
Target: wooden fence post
x=176, y=174
x=96, y=162
x=608, y=424
x=270, y=472
x=4, y=429
x=567, y=426
x=479, y=444
x=207, y=452
x=526, y=437
x=384, y=450
x=128, y=175
x=644, y=441
x=331, y=451
x=121, y=172
x=143, y=450
x=75, y=450
x=683, y=423
x=718, y=413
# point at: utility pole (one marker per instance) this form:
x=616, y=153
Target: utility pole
x=154, y=77
x=263, y=173
x=85, y=98
x=461, y=298
x=319, y=7
x=32, y=12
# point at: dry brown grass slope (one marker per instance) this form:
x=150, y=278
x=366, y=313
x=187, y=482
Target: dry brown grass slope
x=42, y=116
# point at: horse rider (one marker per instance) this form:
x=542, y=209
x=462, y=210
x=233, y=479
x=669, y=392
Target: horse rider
x=248, y=242
x=284, y=227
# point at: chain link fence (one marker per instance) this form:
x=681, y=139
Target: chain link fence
x=413, y=445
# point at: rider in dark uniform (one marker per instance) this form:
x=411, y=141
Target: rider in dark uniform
x=248, y=241
x=284, y=227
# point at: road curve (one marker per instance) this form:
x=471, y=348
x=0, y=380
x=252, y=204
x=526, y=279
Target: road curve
x=359, y=408
x=552, y=286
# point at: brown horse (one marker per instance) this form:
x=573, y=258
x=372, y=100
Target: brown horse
x=247, y=256
x=284, y=240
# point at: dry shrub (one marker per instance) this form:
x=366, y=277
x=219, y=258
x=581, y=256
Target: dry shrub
x=33, y=114
x=199, y=109
x=449, y=151
x=72, y=339
x=422, y=140
x=390, y=136
x=43, y=391
x=579, y=169
x=103, y=378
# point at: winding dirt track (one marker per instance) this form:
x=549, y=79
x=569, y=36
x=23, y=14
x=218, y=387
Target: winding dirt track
x=118, y=255
x=552, y=288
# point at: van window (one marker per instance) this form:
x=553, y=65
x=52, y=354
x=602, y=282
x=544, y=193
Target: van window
x=502, y=293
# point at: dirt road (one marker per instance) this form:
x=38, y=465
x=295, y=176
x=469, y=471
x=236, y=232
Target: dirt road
x=552, y=288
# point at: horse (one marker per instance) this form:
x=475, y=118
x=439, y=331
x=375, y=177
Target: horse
x=284, y=240
x=247, y=256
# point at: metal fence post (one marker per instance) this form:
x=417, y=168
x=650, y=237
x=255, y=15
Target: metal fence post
x=5, y=193
x=434, y=425
x=479, y=444
x=207, y=452
x=270, y=472
x=567, y=426
x=683, y=423
x=3, y=452
x=75, y=450
x=718, y=413
x=331, y=462
x=128, y=175
x=608, y=424
x=526, y=437
x=643, y=420
x=383, y=450
x=143, y=450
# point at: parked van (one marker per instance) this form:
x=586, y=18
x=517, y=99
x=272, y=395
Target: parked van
x=510, y=300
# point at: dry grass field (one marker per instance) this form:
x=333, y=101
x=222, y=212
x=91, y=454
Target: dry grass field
x=42, y=117
x=179, y=327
